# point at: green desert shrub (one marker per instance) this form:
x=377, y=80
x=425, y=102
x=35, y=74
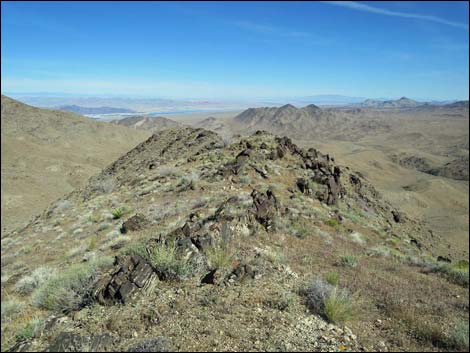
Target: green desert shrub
x=118, y=212
x=332, y=223
x=28, y=283
x=66, y=290
x=168, y=263
x=32, y=329
x=348, y=261
x=188, y=182
x=332, y=278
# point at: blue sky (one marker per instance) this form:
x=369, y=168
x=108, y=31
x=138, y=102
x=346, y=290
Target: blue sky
x=233, y=50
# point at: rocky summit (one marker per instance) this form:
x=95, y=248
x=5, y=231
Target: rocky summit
x=188, y=242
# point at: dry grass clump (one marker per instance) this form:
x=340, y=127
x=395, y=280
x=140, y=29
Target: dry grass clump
x=168, y=263
x=331, y=302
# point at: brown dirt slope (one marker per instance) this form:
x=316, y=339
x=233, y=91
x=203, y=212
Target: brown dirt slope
x=47, y=153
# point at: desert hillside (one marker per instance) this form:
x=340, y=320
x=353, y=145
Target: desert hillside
x=186, y=243
x=48, y=153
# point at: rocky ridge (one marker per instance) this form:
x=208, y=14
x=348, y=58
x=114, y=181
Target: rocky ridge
x=220, y=213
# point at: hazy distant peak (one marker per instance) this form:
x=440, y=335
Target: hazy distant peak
x=287, y=107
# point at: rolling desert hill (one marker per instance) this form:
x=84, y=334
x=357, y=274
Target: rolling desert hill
x=188, y=243
x=48, y=153
x=148, y=123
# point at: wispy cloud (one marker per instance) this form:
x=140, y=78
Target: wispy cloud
x=372, y=9
x=271, y=30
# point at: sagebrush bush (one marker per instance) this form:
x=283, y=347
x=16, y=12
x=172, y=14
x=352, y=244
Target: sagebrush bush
x=459, y=337
x=316, y=295
x=11, y=309
x=188, y=182
x=65, y=291
x=28, y=283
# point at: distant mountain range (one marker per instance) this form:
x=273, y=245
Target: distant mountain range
x=98, y=110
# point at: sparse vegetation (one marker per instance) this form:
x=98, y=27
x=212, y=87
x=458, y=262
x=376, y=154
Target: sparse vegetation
x=188, y=182
x=300, y=230
x=457, y=273
x=92, y=243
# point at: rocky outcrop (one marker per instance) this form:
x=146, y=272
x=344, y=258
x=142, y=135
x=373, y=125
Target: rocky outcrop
x=265, y=207
x=129, y=275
